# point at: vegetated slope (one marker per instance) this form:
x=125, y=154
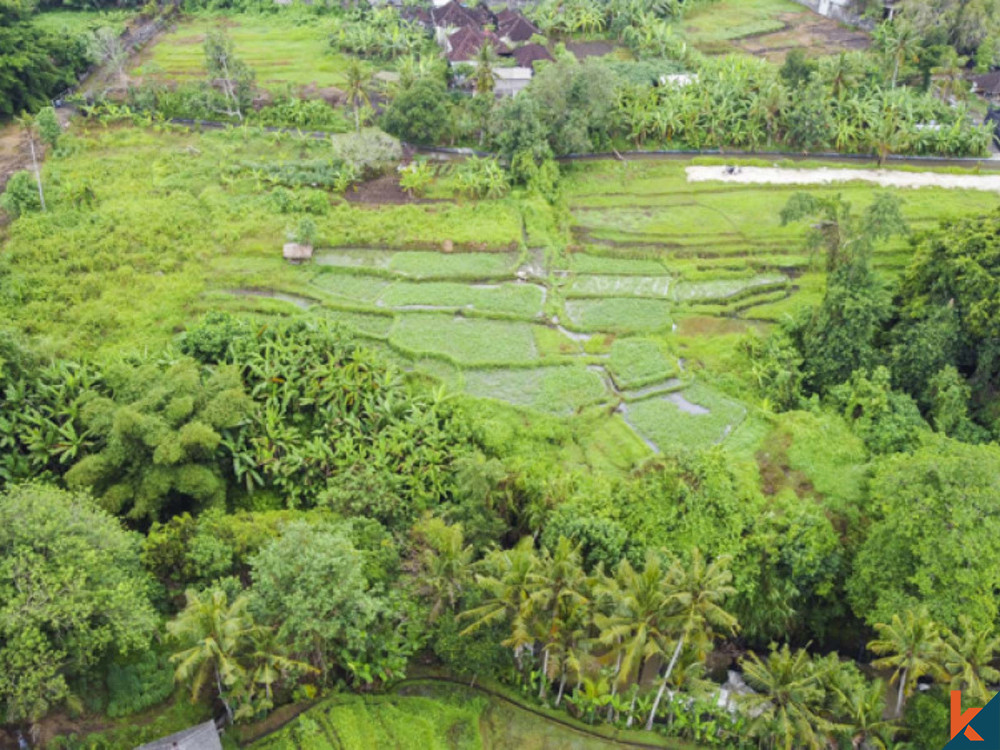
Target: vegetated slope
x=438, y=714
x=168, y=224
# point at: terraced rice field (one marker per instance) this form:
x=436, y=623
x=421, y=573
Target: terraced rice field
x=656, y=270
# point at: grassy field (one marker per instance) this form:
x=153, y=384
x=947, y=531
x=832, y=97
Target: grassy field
x=82, y=21
x=643, y=300
x=768, y=28
x=284, y=50
x=735, y=19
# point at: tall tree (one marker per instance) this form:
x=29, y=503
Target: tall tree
x=911, y=646
x=558, y=586
x=506, y=581
x=233, y=75
x=485, y=79
x=445, y=563
x=638, y=626
x=106, y=47
x=72, y=594
x=968, y=657
x=898, y=42
x=786, y=709
x=213, y=634
x=30, y=129
x=311, y=584
x=357, y=93
x=697, y=590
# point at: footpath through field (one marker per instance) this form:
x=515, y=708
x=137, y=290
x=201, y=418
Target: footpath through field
x=826, y=176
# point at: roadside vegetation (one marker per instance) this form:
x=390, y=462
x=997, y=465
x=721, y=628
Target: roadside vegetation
x=631, y=456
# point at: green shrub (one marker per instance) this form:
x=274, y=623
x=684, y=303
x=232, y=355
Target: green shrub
x=926, y=720
x=21, y=195
x=138, y=684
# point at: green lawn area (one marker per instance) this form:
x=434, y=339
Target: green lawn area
x=283, y=50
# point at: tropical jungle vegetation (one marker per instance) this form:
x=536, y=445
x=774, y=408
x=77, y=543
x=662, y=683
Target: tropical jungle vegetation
x=530, y=448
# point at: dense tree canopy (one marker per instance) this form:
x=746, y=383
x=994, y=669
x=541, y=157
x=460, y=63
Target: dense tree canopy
x=934, y=516
x=72, y=592
x=34, y=64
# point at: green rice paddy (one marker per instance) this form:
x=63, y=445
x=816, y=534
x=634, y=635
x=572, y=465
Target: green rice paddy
x=628, y=322
x=284, y=50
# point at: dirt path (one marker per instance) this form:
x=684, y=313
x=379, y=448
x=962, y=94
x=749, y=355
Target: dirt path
x=13, y=155
x=824, y=176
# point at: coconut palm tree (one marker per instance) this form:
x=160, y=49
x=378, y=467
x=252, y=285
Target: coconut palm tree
x=570, y=644
x=968, y=656
x=485, y=79
x=898, y=42
x=697, y=590
x=858, y=705
x=356, y=92
x=911, y=646
x=785, y=710
x=445, y=564
x=268, y=665
x=506, y=580
x=558, y=586
x=637, y=627
x=213, y=633
x=30, y=129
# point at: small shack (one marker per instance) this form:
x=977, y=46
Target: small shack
x=987, y=85
x=295, y=252
x=201, y=737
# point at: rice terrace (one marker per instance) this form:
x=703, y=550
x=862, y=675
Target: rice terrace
x=552, y=374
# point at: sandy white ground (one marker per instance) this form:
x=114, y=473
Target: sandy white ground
x=824, y=176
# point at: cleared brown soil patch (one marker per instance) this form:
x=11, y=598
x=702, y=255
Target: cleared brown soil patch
x=807, y=31
x=775, y=473
x=382, y=190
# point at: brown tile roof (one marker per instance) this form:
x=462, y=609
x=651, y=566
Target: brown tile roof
x=507, y=15
x=518, y=29
x=453, y=14
x=465, y=35
x=988, y=83
x=466, y=43
x=482, y=14
x=529, y=54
